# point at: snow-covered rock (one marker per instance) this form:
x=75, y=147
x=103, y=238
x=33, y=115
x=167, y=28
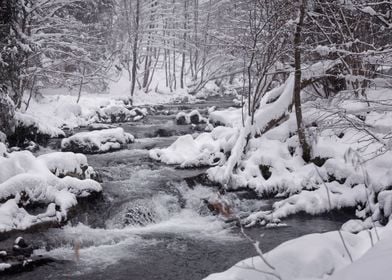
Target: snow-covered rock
x=29, y=122
x=229, y=117
x=27, y=180
x=116, y=113
x=64, y=164
x=194, y=117
x=28, y=128
x=99, y=141
x=207, y=149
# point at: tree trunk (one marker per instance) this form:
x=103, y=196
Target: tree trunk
x=306, y=150
x=184, y=43
x=81, y=84
x=135, y=50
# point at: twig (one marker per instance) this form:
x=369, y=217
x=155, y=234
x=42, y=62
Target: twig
x=330, y=208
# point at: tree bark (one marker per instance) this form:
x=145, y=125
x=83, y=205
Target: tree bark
x=135, y=50
x=306, y=150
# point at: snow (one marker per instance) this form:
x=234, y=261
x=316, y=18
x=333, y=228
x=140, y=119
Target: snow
x=63, y=163
x=318, y=256
x=205, y=149
x=229, y=117
x=272, y=164
x=4, y=266
x=26, y=120
x=374, y=264
x=189, y=152
x=25, y=179
x=99, y=141
x=57, y=107
x=3, y=149
x=115, y=113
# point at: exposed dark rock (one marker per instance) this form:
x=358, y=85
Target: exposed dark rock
x=332, y=178
x=18, y=259
x=27, y=134
x=201, y=179
x=195, y=118
x=181, y=120
x=341, y=135
x=265, y=171
x=319, y=161
x=21, y=248
x=164, y=132
x=291, y=150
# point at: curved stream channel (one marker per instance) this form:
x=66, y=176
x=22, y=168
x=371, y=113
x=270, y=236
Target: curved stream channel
x=150, y=224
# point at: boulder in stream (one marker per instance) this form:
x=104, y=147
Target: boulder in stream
x=117, y=113
x=193, y=117
x=100, y=141
x=20, y=258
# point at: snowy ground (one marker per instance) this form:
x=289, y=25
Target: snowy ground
x=333, y=255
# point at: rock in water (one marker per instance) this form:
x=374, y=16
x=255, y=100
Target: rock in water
x=22, y=248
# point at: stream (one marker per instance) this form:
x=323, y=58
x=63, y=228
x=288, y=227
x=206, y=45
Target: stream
x=152, y=224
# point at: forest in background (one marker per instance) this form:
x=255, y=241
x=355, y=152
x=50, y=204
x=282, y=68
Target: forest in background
x=312, y=82
x=79, y=44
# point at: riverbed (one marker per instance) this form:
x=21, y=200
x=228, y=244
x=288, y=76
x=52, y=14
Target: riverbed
x=151, y=223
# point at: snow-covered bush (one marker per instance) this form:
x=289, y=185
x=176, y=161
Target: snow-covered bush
x=26, y=181
x=99, y=141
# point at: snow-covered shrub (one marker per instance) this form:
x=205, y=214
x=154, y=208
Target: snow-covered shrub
x=99, y=141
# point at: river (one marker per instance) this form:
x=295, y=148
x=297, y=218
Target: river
x=151, y=224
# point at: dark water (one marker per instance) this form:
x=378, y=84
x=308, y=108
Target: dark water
x=151, y=225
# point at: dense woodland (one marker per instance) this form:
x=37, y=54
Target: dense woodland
x=81, y=43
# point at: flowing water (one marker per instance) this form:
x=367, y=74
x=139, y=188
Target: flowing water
x=151, y=224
